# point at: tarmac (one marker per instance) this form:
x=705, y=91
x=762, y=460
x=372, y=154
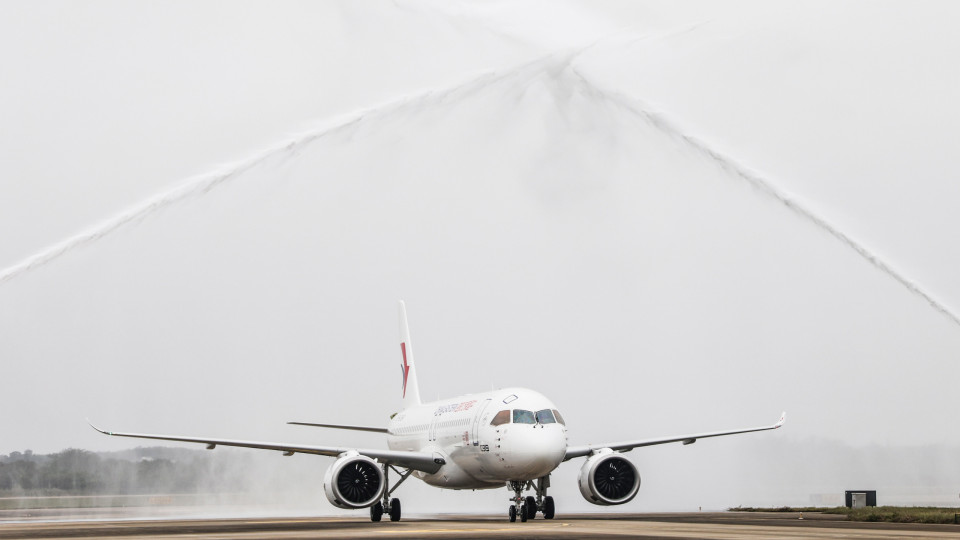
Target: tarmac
x=706, y=525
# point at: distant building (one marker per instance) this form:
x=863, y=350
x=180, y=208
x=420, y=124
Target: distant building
x=860, y=498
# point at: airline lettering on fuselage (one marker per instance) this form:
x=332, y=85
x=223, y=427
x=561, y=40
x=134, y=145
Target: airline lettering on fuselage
x=455, y=407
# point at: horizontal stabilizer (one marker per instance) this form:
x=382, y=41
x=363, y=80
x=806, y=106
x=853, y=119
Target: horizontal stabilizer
x=340, y=426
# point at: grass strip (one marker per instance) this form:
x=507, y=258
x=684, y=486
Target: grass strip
x=888, y=514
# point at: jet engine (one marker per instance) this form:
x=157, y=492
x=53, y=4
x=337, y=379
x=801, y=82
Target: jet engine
x=607, y=478
x=353, y=481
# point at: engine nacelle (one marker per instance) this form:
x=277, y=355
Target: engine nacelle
x=607, y=478
x=353, y=481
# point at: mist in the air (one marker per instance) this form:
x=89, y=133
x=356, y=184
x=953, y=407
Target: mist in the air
x=668, y=218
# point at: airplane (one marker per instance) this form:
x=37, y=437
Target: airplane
x=514, y=437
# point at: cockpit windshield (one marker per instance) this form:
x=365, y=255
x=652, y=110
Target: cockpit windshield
x=545, y=417
x=520, y=416
x=523, y=417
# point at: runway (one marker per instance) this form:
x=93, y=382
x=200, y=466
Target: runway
x=720, y=526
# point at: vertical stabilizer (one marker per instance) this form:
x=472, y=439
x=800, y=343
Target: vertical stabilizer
x=410, y=390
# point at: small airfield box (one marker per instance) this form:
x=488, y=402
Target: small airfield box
x=860, y=498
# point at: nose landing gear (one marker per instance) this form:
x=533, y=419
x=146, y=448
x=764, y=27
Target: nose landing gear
x=527, y=507
x=519, y=505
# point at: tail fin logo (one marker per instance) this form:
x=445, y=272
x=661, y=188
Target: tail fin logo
x=404, y=368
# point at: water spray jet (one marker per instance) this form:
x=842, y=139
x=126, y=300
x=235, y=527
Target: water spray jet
x=764, y=186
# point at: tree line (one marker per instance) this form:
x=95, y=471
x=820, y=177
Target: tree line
x=138, y=471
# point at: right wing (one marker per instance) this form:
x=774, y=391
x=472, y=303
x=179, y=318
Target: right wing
x=626, y=446
x=427, y=462
x=340, y=426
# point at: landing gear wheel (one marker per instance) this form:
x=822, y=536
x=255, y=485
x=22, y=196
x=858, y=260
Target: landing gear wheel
x=512, y=513
x=531, y=505
x=376, y=512
x=395, y=510
x=548, y=508
x=523, y=514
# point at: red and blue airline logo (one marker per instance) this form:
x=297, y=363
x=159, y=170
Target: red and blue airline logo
x=404, y=368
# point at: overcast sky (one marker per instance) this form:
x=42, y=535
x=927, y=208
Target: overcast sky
x=666, y=217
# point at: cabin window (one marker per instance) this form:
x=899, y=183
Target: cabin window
x=559, y=418
x=502, y=417
x=545, y=417
x=523, y=417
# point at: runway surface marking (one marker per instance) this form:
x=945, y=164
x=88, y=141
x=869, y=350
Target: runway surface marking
x=474, y=529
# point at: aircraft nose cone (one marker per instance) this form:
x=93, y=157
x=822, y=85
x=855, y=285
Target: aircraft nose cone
x=534, y=451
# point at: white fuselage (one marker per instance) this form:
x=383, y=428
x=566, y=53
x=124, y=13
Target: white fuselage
x=480, y=448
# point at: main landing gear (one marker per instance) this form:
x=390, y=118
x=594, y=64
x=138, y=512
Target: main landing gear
x=389, y=506
x=527, y=507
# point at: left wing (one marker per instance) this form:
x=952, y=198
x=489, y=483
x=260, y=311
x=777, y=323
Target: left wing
x=427, y=462
x=626, y=446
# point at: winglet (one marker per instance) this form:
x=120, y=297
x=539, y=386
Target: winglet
x=783, y=419
x=96, y=428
